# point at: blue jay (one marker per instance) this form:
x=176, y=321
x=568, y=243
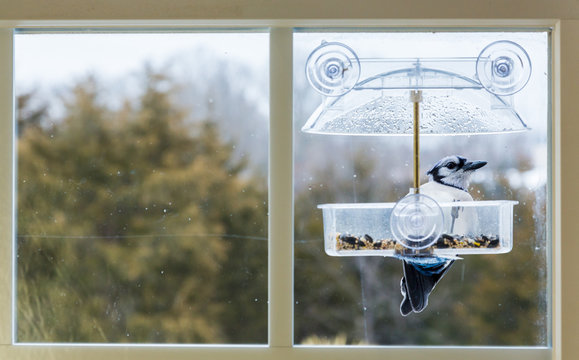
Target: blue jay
x=448, y=181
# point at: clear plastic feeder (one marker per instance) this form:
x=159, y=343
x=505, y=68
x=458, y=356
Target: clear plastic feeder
x=462, y=96
x=469, y=227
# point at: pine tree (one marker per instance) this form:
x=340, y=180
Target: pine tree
x=129, y=225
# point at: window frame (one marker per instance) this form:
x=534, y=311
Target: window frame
x=564, y=291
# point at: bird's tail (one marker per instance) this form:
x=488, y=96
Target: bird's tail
x=418, y=282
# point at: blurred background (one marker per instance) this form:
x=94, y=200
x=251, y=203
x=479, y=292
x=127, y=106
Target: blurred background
x=142, y=187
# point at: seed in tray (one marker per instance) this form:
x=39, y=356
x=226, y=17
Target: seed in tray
x=440, y=243
x=445, y=241
x=348, y=239
x=446, y=237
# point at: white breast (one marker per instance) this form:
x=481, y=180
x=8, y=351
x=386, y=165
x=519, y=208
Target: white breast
x=467, y=221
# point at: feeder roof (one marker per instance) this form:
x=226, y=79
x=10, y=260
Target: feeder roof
x=451, y=104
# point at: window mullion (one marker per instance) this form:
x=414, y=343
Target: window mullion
x=6, y=217
x=280, y=190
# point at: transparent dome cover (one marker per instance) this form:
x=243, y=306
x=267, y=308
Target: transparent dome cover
x=451, y=104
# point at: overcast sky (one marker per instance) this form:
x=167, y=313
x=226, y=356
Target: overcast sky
x=55, y=58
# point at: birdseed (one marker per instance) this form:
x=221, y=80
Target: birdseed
x=445, y=241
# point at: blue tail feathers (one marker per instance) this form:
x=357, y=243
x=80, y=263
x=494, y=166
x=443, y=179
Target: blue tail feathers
x=420, y=277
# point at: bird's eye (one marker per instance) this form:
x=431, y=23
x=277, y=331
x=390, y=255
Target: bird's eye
x=451, y=166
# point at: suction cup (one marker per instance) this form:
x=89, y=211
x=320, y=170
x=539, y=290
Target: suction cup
x=416, y=221
x=333, y=69
x=503, y=67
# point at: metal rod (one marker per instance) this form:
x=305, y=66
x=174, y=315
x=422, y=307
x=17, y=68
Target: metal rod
x=416, y=97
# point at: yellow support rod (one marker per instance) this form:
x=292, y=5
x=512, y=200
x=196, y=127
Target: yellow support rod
x=416, y=98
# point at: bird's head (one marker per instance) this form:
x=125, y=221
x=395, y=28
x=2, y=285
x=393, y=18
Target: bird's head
x=454, y=171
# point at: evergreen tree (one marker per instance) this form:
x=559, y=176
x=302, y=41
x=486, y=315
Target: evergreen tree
x=130, y=225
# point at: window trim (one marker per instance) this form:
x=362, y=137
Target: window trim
x=564, y=290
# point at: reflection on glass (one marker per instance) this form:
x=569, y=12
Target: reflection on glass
x=484, y=300
x=142, y=193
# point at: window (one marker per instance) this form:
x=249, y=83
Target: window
x=142, y=188
x=281, y=303
x=483, y=300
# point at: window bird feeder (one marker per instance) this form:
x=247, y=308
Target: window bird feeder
x=415, y=97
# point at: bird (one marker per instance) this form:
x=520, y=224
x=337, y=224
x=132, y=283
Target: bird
x=449, y=180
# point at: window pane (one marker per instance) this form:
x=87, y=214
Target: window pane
x=483, y=300
x=142, y=187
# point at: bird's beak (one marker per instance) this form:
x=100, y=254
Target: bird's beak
x=473, y=165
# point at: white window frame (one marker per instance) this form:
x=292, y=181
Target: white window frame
x=563, y=19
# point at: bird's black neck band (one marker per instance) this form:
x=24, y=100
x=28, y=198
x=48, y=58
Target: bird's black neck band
x=454, y=186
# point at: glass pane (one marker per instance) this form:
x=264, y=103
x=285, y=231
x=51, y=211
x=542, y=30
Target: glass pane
x=142, y=187
x=482, y=300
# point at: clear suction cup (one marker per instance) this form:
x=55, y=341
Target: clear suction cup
x=416, y=221
x=333, y=69
x=503, y=67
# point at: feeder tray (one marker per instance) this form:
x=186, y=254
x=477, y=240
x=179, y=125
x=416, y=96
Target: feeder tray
x=365, y=230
